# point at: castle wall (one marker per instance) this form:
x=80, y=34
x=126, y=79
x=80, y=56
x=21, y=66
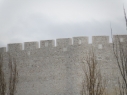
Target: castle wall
x=57, y=70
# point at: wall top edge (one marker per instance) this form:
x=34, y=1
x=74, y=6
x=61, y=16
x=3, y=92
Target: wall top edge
x=48, y=40
x=31, y=42
x=2, y=47
x=119, y=35
x=14, y=43
x=101, y=36
x=80, y=36
x=62, y=38
x=75, y=41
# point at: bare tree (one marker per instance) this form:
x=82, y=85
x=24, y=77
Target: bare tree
x=125, y=17
x=2, y=78
x=13, y=79
x=8, y=87
x=120, y=53
x=93, y=83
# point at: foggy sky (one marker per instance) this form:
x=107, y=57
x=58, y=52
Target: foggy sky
x=35, y=20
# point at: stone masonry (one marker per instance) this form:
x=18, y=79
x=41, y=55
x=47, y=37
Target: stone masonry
x=57, y=69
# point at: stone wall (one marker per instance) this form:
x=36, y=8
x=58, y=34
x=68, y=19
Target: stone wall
x=57, y=69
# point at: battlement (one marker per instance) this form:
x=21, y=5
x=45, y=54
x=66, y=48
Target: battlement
x=121, y=38
x=62, y=42
x=2, y=49
x=100, y=39
x=80, y=40
x=54, y=67
x=15, y=47
x=31, y=45
x=47, y=43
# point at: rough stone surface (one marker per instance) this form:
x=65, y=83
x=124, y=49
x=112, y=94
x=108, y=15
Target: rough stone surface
x=57, y=70
x=2, y=49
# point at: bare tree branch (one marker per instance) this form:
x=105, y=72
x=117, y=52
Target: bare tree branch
x=13, y=77
x=2, y=78
x=93, y=84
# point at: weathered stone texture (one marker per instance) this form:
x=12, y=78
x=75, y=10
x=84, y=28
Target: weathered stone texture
x=63, y=42
x=2, y=49
x=47, y=43
x=57, y=70
x=14, y=47
x=30, y=45
x=80, y=40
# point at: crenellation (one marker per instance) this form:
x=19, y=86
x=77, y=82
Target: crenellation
x=100, y=43
x=47, y=43
x=57, y=70
x=2, y=49
x=31, y=45
x=14, y=47
x=121, y=38
x=64, y=42
x=100, y=40
x=80, y=40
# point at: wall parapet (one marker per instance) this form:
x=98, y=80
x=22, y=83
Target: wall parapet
x=15, y=47
x=47, y=43
x=31, y=45
x=62, y=42
x=2, y=49
x=100, y=39
x=121, y=38
x=80, y=40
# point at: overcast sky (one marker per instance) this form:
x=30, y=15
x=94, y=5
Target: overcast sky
x=35, y=20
